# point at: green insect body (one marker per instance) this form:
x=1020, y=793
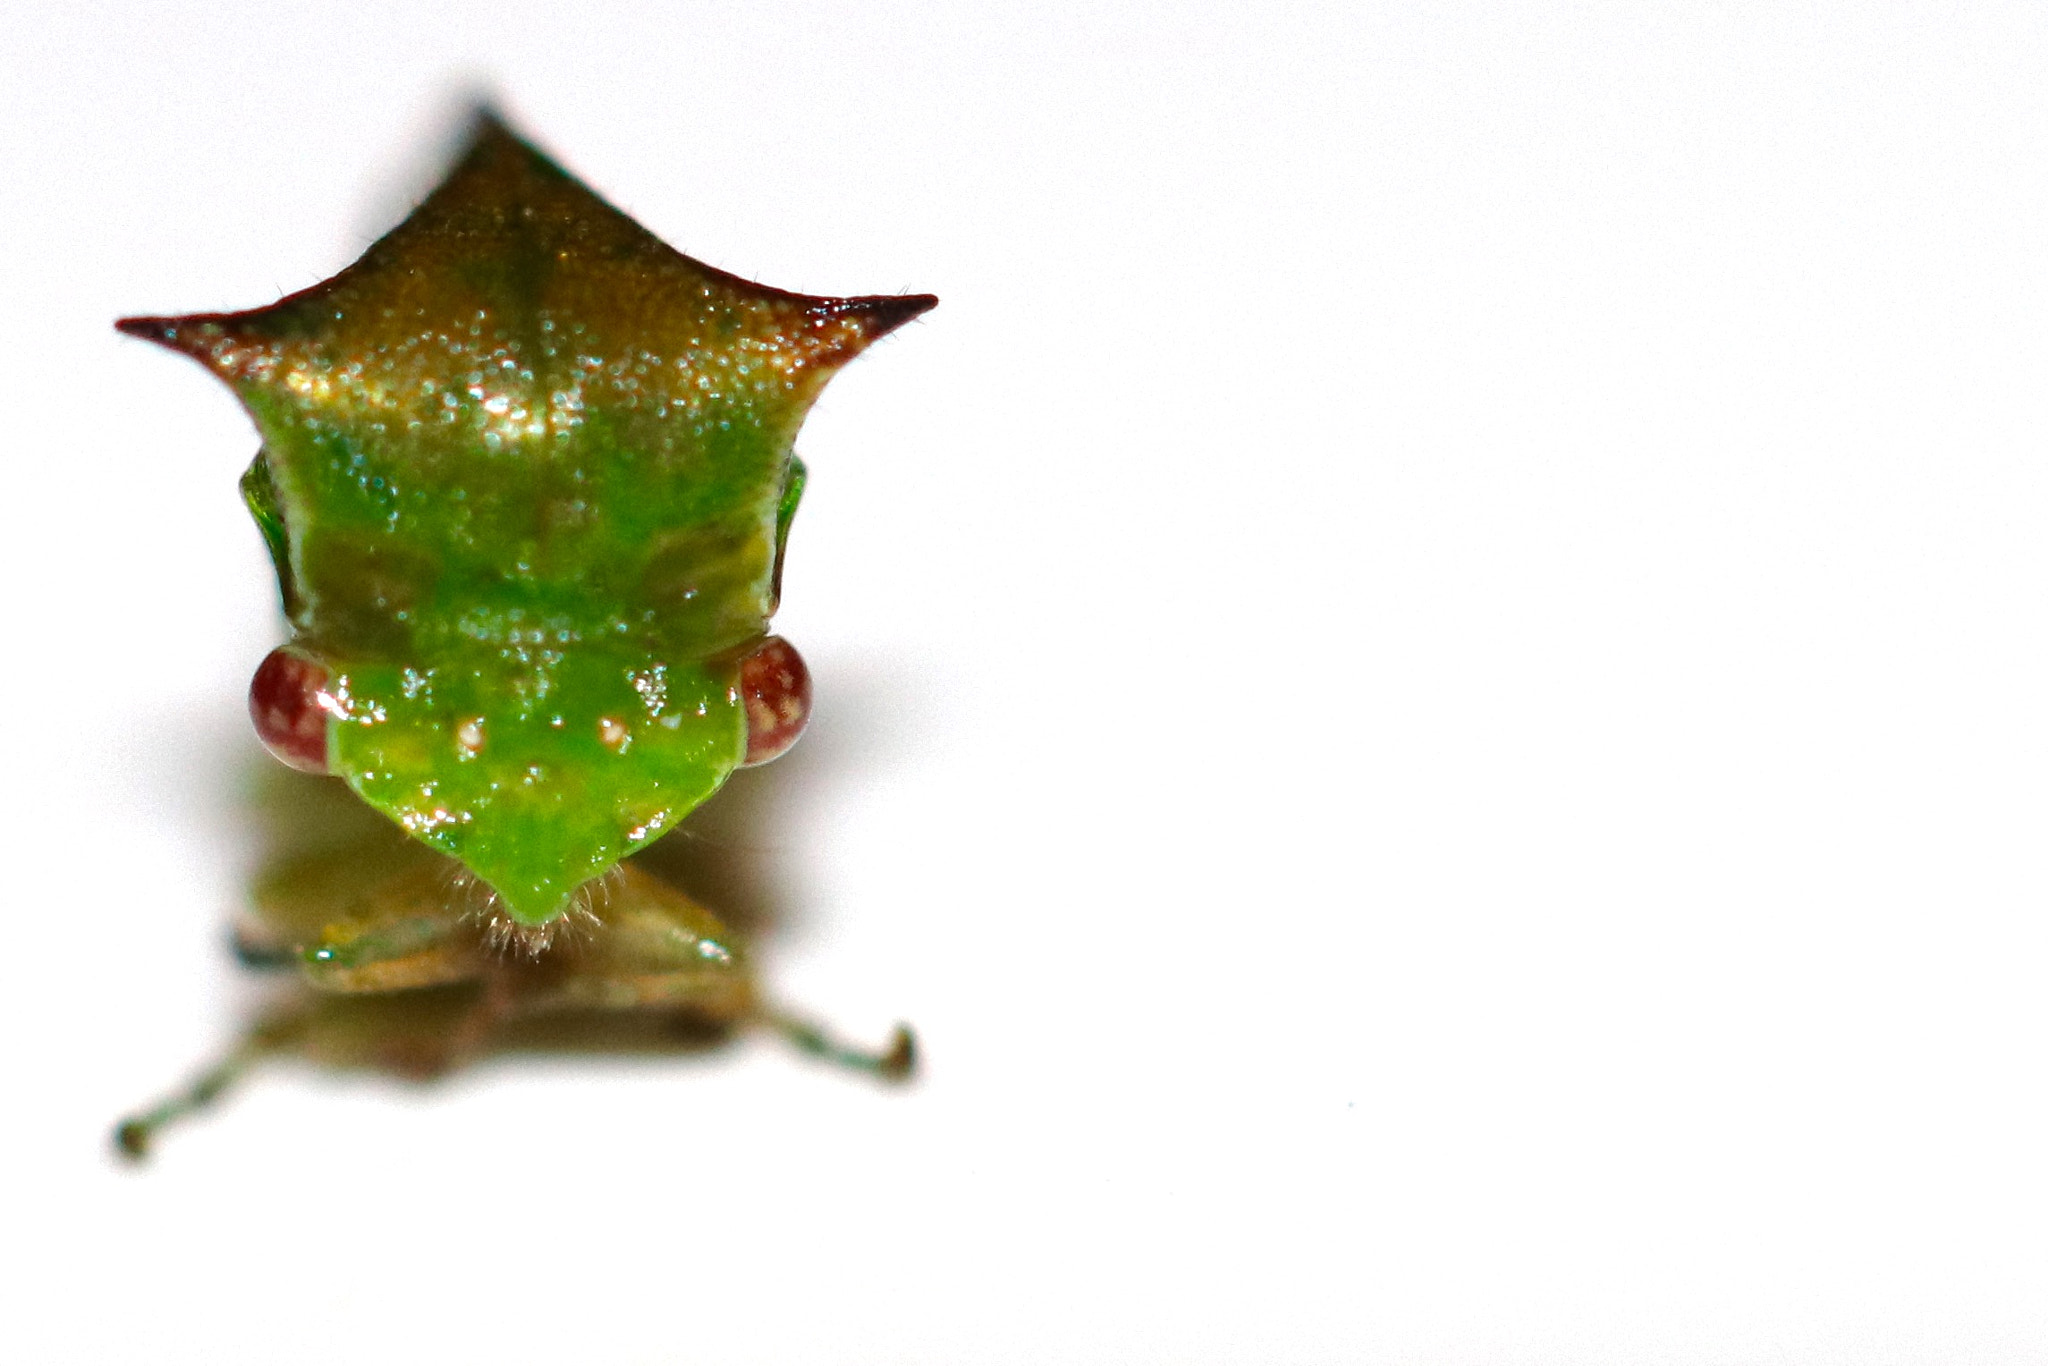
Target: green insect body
x=526, y=477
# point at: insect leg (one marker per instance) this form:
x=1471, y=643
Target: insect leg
x=259, y=954
x=133, y=1136
x=895, y=1063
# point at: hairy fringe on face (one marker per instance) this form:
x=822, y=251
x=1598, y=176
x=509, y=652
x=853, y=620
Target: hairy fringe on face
x=504, y=935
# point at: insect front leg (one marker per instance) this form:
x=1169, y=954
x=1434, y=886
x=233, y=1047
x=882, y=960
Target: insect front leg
x=274, y=1033
x=896, y=1062
x=355, y=926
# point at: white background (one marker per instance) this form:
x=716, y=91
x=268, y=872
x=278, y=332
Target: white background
x=1432, y=692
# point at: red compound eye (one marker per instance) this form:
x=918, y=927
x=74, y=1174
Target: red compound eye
x=289, y=703
x=776, y=687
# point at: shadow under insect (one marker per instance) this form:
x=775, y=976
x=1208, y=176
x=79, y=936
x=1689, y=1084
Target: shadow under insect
x=390, y=957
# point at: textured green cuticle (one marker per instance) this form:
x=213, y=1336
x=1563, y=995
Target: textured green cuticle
x=259, y=494
x=527, y=481
x=539, y=774
x=785, y=513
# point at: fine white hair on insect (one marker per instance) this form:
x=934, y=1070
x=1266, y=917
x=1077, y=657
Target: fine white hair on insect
x=469, y=895
x=502, y=934
x=604, y=887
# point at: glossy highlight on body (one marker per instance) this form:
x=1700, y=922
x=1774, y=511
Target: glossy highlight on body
x=526, y=480
x=519, y=459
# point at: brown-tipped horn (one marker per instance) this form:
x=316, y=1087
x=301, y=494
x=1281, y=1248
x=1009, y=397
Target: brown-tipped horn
x=487, y=120
x=489, y=131
x=216, y=340
x=876, y=315
x=161, y=330
x=195, y=334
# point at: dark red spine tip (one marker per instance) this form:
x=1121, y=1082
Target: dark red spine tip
x=149, y=329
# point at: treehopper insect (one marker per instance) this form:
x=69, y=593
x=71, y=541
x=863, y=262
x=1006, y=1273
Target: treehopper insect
x=526, y=480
